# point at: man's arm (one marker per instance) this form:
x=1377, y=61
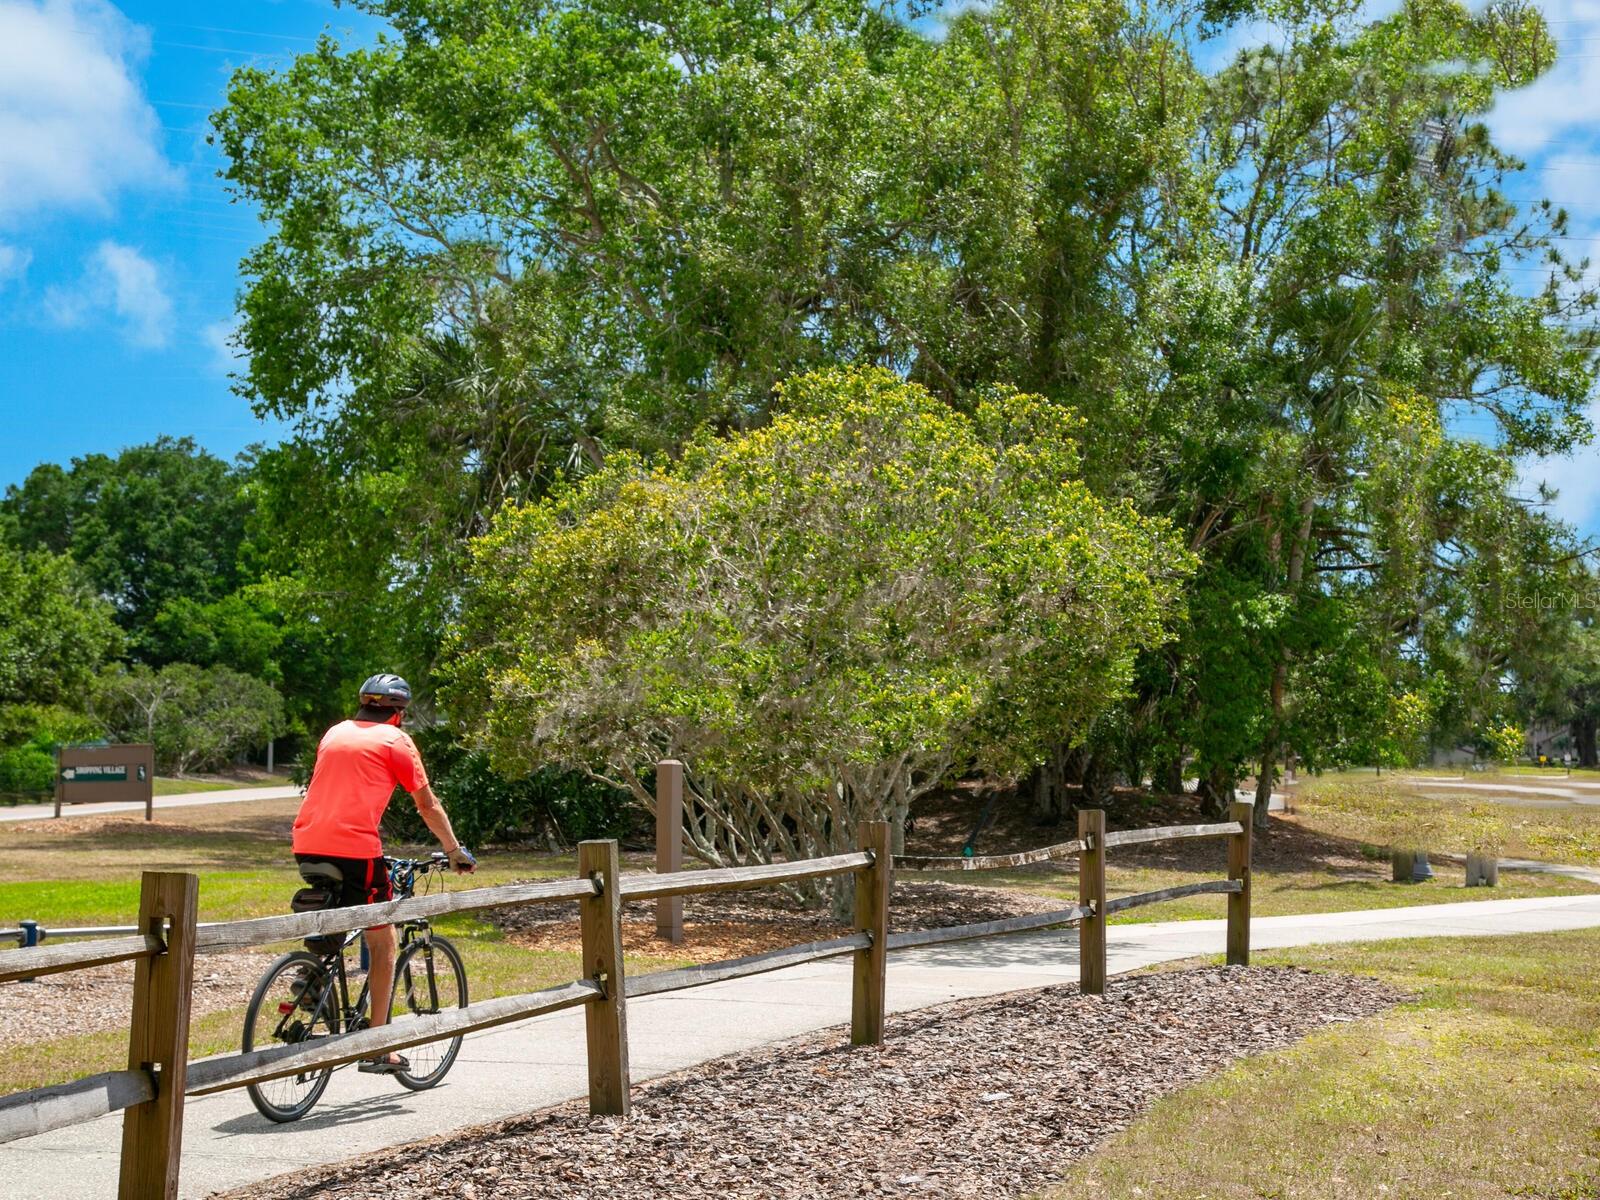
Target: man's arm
x=438, y=821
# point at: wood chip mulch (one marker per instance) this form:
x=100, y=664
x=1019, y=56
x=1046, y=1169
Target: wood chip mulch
x=732, y=924
x=100, y=998
x=977, y=1098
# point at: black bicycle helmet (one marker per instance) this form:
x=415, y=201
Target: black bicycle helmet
x=385, y=691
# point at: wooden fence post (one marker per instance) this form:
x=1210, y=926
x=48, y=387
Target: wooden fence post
x=1242, y=811
x=606, y=1018
x=1092, y=895
x=872, y=915
x=158, y=1041
x=669, y=845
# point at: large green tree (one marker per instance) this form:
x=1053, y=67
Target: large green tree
x=155, y=525
x=517, y=236
x=55, y=633
x=198, y=719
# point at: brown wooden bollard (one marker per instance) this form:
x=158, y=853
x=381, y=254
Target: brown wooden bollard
x=605, y=1018
x=1092, y=895
x=1400, y=865
x=872, y=916
x=1242, y=811
x=669, y=845
x=158, y=1040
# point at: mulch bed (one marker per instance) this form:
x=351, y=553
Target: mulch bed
x=730, y=924
x=978, y=1098
x=99, y=998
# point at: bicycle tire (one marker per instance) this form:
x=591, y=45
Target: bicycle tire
x=421, y=989
x=325, y=1011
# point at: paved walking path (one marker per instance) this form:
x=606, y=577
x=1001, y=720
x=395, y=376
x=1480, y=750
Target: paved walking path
x=1537, y=792
x=517, y=1068
x=35, y=812
x=1587, y=874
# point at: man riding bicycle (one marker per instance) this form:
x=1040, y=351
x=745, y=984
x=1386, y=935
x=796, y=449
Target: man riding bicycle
x=359, y=764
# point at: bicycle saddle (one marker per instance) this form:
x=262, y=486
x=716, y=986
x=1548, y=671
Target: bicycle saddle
x=321, y=872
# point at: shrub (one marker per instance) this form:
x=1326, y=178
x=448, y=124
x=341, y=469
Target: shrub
x=45, y=726
x=486, y=807
x=27, y=769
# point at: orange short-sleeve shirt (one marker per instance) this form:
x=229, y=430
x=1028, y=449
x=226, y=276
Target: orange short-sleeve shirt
x=359, y=764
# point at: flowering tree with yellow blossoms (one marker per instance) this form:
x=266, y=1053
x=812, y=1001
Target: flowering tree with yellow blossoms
x=824, y=618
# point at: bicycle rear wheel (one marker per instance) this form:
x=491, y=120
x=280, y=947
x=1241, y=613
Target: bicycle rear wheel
x=428, y=979
x=295, y=1002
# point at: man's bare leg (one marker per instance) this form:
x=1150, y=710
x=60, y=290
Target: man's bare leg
x=380, y=975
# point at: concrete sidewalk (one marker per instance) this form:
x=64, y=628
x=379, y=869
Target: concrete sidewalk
x=37, y=812
x=518, y=1068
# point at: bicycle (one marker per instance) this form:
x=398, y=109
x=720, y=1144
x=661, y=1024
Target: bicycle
x=305, y=996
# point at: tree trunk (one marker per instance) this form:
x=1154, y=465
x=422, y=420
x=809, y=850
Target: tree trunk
x=1272, y=746
x=899, y=810
x=1167, y=777
x=1050, y=803
x=1072, y=766
x=842, y=898
x=1099, y=774
x=1583, y=738
x=1216, y=792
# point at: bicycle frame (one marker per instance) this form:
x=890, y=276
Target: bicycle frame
x=353, y=1016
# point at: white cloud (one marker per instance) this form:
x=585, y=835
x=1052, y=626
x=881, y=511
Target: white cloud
x=75, y=127
x=122, y=283
x=14, y=262
x=1563, y=105
x=219, y=336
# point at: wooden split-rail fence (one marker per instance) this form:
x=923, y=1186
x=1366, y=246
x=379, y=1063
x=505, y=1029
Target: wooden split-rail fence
x=151, y=1091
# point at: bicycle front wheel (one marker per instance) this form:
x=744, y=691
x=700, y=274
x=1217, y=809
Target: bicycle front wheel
x=428, y=979
x=294, y=1003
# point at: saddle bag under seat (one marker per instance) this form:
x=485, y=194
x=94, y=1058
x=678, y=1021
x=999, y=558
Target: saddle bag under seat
x=314, y=899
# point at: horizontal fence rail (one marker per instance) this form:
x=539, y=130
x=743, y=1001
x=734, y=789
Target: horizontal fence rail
x=752, y=964
x=962, y=933
x=727, y=879
x=1171, y=833
x=1222, y=887
x=986, y=862
x=44, y=1109
x=20, y=936
x=151, y=1092
x=48, y=960
x=261, y=931
x=256, y=1066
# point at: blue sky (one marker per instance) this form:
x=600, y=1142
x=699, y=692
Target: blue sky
x=119, y=247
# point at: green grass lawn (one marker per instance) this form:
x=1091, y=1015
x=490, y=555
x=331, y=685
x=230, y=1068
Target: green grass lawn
x=1274, y=893
x=165, y=786
x=1392, y=814
x=1487, y=1085
x=85, y=871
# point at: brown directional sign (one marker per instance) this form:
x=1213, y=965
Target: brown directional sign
x=94, y=773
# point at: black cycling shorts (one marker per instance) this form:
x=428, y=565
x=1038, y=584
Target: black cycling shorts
x=366, y=880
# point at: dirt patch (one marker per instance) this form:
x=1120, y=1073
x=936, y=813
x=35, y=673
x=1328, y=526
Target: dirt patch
x=730, y=924
x=100, y=998
x=942, y=821
x=979, y=1098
